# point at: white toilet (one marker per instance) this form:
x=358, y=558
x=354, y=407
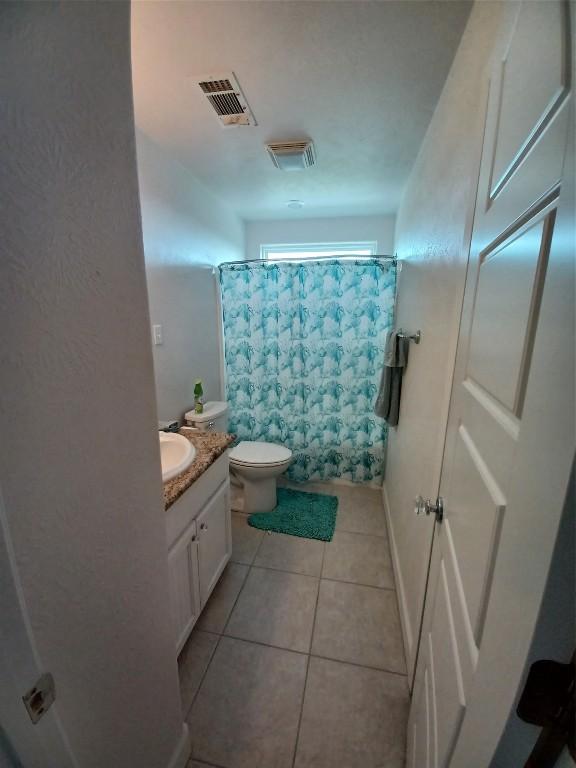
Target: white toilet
x=256, y=464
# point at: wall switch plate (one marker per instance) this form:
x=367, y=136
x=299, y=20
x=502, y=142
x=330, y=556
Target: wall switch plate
x=157, y=334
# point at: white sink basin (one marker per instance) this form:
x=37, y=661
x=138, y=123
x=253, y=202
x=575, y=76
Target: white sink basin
x=176, y=454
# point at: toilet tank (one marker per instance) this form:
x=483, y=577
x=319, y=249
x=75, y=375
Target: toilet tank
x=214, y=417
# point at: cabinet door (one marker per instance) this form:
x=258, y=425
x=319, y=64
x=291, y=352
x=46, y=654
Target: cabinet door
x=184, y=592
x=214, y=540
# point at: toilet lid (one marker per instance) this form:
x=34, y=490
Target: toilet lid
x=259, y=453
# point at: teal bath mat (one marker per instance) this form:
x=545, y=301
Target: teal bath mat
x=309, y=515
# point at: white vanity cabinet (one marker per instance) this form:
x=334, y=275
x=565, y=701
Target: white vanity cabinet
x=184, y=587
x=214, y=540
x=199, y=545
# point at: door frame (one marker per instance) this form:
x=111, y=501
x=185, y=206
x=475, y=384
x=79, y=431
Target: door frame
x=44, y=745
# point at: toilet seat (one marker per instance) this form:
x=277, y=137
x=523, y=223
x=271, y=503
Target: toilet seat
x=254, y=453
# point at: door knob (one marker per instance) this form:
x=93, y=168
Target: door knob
x=429, y=507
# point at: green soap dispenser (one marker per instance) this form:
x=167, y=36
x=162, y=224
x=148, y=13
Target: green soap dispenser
x=198, y=397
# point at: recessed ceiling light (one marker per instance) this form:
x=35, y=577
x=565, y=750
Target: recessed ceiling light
x=295, y=204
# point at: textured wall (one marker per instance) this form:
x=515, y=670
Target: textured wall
x=79, y=466
x=432, y=231
x=186, y=230
x=339, y=229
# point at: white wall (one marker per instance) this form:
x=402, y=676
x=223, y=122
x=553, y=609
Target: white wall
x=80, y=465
x=186, y=231
x=332, y=230
x=432, y=240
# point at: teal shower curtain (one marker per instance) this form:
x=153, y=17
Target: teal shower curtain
x=304, y=346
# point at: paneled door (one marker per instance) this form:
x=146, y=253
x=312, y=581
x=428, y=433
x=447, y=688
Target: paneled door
x=510, y=440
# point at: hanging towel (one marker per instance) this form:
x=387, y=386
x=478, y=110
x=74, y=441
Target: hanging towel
x=395, y=361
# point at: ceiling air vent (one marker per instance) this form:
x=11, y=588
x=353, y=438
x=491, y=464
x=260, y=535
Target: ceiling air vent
x=292, y=155
x=227, y=100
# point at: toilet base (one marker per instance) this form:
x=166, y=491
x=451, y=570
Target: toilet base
x=259, y=495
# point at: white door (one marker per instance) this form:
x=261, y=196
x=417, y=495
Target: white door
x=510, y=439
x=215, y=540
x=43, y=745
x=183, y=581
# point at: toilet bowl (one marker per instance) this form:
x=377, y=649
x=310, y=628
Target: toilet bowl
x=258, y=465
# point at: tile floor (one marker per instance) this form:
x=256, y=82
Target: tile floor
x=297, y=660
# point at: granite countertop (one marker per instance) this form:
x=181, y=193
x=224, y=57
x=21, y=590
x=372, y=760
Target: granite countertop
x=209, y=447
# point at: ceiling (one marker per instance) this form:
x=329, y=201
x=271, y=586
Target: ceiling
x=359, y=78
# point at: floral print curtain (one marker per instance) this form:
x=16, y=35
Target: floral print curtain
x=304, y=347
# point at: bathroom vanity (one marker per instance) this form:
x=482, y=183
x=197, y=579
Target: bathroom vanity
x=198, y=528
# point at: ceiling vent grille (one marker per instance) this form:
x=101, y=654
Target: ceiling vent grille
x=227, y=100
x=292, y=155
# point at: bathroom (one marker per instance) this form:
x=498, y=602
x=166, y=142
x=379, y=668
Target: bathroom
x=334, y=553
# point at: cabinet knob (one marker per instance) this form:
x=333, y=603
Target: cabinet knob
x=193, y=538
x=203, y=527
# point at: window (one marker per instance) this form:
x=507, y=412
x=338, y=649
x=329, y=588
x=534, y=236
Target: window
x=316, y=250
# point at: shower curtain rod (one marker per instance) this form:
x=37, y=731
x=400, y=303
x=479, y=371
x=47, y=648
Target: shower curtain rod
x=307, y=259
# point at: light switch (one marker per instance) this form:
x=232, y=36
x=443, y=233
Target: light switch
x=157, y=334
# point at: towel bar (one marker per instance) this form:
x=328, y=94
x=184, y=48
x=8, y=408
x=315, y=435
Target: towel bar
x=415, y=337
